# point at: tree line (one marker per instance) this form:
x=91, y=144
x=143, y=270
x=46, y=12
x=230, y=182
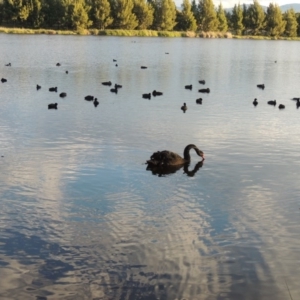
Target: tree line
x=200, y=15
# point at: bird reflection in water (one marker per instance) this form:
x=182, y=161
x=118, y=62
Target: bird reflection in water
x=167, y=170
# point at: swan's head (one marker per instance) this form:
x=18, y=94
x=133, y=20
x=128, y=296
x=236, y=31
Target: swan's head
x=200, y=152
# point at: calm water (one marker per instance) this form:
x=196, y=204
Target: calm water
x=82, y=218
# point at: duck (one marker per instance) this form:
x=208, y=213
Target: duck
x=281, y=106
x=107, y=83
x=63, y=95
x=167, y=158
x=204, y=90
x=96, y=102
x=3, y=80
x=52, y=106
x=202, y=81
x=188, y=87
x=184, y=107
x=156, y=93
x=261, y=86
x=199, y=101
x=147, y=96
x=38, y=87
x=255, y=102
x=272, y=102
x=53, y=89
x=89, y=98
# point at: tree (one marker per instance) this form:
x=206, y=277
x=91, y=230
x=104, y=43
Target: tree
x=164, y=14
x=208, y=16
x=100, y=14
x=237, y=19
x=123, y=16
x=53, y=12
x=256, y=17
x=195, y=11
x=298, y=21
x=144, y=14
x=223, y=26
x=77, y=15
x=185, y=18
x=275, y=23
x=291, y=23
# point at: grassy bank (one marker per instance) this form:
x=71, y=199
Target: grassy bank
x=117, y=32
x=141, y=33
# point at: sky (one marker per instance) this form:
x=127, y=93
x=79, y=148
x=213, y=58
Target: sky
x=231, y=3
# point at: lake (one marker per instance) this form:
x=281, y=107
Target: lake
x=82, y=218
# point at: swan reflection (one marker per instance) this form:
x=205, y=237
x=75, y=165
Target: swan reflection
x=167, y=170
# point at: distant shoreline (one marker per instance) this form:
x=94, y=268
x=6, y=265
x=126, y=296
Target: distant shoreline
x=142, y=33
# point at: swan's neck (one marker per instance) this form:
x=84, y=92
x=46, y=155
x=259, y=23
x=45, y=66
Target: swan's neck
x=186, y=152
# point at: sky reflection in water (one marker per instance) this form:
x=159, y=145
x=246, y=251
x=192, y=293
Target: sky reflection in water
x=82, y=218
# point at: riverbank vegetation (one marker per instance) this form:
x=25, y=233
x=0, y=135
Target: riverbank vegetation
x=147, y=18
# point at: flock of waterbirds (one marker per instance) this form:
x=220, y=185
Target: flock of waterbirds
x=155, y=93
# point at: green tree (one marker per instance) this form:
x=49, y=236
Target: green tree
x=77, y=15
x=185, y=18
x=35, y=18
x=53, y=12
x=223, y=26
x=164, y=14
x=298, y=21
x=275, y=23
x=123, y=16
x=237, y=19
x=144, y=14
x=195, y=11
x=291, y=23
x=245, y=17
x=256, y=17
x=208, y=16
x=100, y=14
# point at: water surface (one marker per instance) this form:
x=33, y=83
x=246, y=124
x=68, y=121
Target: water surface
x=82, y=218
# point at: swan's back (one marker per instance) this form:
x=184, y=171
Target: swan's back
x=165, y=158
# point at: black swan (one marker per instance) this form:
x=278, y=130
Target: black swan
x=204, y=90
x=58, y=64
x=118, y=86
x=281, y=106
x=107, y=83
x=255, y=102
x=8, y=65
x=167, y=158
x=202, y=81
x=184, y=107
x=143, y=67
x=38, y=87
x=199, y=101
x=3, y=80
x=261, y=86
x=53, y=89
x=188, y=87
x=63, y=95
x=52, y=106
x=272, y=102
